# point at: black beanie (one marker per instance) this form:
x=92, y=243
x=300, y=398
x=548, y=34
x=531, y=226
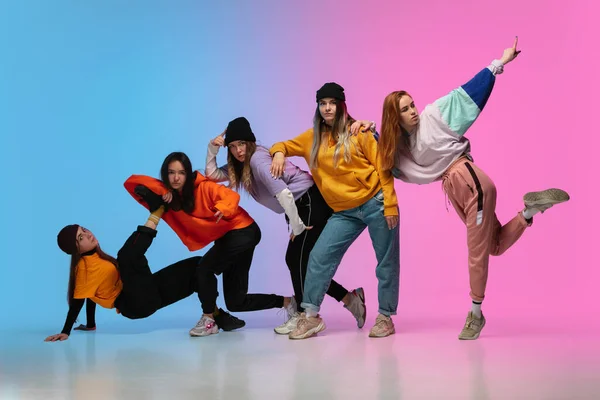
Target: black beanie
x=67, y=239
x=239, y=129
x=331, y=89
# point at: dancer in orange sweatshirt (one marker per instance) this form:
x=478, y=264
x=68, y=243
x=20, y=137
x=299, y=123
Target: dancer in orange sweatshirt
x=200, y=212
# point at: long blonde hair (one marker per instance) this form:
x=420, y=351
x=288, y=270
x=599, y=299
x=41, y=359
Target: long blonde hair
x=339, y=132
x=240, y=174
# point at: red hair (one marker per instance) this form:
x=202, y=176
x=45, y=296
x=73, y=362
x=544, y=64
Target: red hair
x=392, y=138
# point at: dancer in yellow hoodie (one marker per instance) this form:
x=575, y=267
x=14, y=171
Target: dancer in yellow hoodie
x=347, y=171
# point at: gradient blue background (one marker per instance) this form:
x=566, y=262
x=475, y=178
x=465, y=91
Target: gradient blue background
x=92, y=92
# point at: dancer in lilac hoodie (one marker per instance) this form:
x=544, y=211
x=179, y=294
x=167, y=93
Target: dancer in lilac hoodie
x=295, y=194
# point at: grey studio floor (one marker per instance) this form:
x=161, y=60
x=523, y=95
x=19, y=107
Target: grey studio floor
x=515, y=358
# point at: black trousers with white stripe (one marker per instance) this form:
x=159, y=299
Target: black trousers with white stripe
x=315, y=212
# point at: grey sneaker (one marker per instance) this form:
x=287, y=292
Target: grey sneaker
x=545, y=199
x=473, y=327
x=206, y=326
x=357, y=306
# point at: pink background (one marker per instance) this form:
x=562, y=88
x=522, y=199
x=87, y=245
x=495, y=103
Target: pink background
x=537, y=131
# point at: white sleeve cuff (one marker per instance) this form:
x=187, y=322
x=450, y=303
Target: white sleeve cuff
x=286, y=199
x=497, y=67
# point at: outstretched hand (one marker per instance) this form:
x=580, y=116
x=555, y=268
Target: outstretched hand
x=511, y=53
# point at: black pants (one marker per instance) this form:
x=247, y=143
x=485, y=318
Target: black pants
x=90, y=313
x=231, y=255
x=144, y=292
x=314, y=211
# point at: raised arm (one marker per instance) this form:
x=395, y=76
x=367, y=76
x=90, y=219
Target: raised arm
x=461, y=107
x=212, y=171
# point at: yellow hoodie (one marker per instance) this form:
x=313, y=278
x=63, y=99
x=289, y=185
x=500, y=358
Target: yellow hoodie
x=348, y=185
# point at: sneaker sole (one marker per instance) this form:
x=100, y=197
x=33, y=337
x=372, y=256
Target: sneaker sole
x=231, y=329
x=311, y=332
x=546, y=197
x=203, y=334
x=474, y=337
x=285, y=331
x=361, y=294
x=381, y=336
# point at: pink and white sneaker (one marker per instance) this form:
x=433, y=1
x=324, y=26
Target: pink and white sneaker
x=206, y=326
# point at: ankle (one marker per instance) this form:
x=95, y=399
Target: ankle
x=346, y=299
x=286, y=301
x=150, y=224
x=476, y=308
x=154, y=217
x=529, y=212
x=211, y=316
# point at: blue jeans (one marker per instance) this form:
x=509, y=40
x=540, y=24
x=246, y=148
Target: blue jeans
x=341, y=231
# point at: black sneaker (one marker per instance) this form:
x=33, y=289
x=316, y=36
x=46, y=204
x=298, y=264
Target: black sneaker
x=153, y=200
x=228, y=322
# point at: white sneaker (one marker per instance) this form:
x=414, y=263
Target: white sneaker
x=288, y=326
x=292, y=318
x=206, y=326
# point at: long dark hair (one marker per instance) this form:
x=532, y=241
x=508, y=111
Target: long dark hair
x=75, y=258
x=187, y=192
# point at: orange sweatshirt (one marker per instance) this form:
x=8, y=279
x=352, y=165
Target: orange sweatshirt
x=98, y=280
x=348, y=185
x=198, y=229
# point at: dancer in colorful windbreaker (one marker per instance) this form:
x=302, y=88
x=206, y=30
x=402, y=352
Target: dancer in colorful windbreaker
x=295, y=194
x=346, y=169
x=429, y=147
x=201, y=212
